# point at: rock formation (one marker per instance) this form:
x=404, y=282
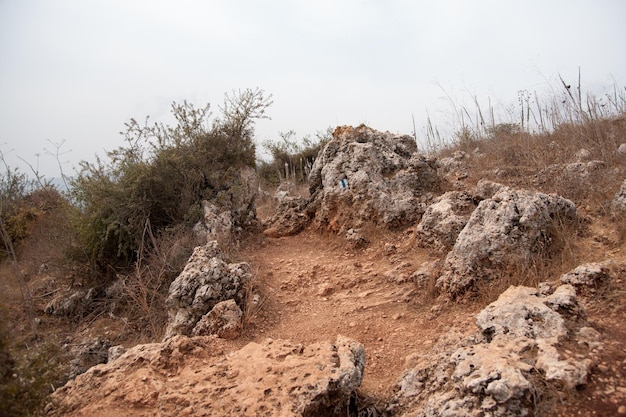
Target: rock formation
x=365, y=176
x=444, y=219
x=504, y=230
x=195, y=377
x=205, y=281
x=499, y=370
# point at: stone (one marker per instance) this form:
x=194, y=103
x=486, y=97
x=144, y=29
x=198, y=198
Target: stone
x=72, y=304
x=87, y=354
x=618, y=204
x=205, y=281
x=504, y=231
x=363, y=176
x=356, y=239
x=587, y=278
x=224, y=320
x=582, y=155
x=494, y=370
x=115, y=352
x=622, y=149
x=444, y=219
x=197, y=376
x=291, y=217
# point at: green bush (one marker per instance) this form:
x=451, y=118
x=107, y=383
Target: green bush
x=161, y=175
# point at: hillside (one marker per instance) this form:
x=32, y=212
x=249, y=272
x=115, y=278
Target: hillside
x=384, y=262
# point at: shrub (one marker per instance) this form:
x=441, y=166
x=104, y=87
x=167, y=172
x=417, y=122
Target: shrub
x=162, y=173
x=292, y=160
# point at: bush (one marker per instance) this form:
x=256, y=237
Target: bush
x=163, y=173
x=292, y=160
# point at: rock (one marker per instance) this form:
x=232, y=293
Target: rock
x=196, y=376
x=73, y=304
x=232, y=208
x=582, y=155
x=205, y=281
x=356, y=238
x=88, y=354
x=224, y=320
x=505, y=230
x=494, y=370
x=365, y=176
x=618, y=204
x=291, y=218
x=115, y=352
x=622, y=149
x=587, y=278
x=444, y=219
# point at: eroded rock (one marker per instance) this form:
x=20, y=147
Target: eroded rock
x=205, y=281
x=195, y=376
x=507, y=229
x=365, y=176
x=493, y=372
x=224, y=320
x=444, y=219
x=291, y=218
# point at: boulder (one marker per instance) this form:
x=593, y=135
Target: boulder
x=224, y=320
x=493, y=372
x=87, y=354
x=72, y=304
x=205, y=281
x=196, y=376
x=365, y=176
x=505, y=230
x=444, y=219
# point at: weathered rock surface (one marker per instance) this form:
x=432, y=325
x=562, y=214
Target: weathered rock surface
x=444, y=219
x=224, y=320
x=71, y=304
x=618, y=204
x=205, y=281
x=365, y=176
x=587, y=278
x=291, y=217
x=493, y=372
x=87, y=354
x=504, y=230
x=195, y=377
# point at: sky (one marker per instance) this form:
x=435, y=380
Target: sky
x=72, y=72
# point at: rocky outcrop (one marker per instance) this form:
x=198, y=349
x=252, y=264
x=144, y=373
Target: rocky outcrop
x=365, y=176
x=231, y=210
x=194, y=376
x=205, y=281
x=291, y=217
x=505, y=230
x=499, y=370
x=444, y=219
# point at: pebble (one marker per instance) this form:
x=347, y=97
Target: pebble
x=621, y=410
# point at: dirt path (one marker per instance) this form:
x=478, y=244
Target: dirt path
x=315, y=287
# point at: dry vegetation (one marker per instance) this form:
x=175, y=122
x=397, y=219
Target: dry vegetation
x=534, y=154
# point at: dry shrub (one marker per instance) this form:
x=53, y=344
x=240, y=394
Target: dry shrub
x=145, y=288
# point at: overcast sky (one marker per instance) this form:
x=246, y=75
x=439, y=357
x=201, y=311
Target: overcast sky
x=76, y=70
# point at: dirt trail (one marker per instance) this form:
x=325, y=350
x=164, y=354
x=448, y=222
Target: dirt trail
x=314, y=287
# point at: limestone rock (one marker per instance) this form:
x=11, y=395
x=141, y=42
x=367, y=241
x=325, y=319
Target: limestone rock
x=444, y=219
x=587, y=278
x=618, y=204
x=356, y=238
x=72, y=304
x=205, y=281
x=291, y=218
x=224, y=320
x=195, y=376
x=493, y=372
x=365, y=176
x=87, y=354
x=507, y=229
